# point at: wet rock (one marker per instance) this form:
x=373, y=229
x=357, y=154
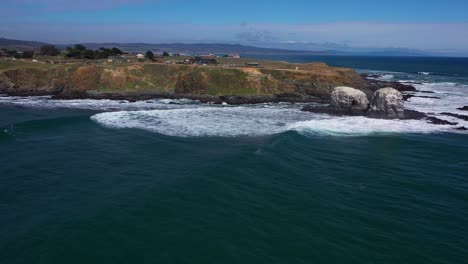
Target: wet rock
x=387, y=103
x=412, y=114
x=437, y=121
x=462, y=128
x=465, y=108
x=350, y=100
x=429, y=97
x=374, y=85
x=407, y=96
x=462, y=117
x=330, y=110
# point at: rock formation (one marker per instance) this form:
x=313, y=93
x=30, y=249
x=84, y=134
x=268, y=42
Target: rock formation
x=387, y=103
x=350, y=99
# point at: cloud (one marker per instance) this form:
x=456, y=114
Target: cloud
x=252, y=34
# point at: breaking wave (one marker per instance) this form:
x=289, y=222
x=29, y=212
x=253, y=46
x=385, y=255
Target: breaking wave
x=45, y=102
x=246, y=121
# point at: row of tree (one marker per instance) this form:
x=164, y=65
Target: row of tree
x=77, y=51
x=150, y=55
x=81, y=52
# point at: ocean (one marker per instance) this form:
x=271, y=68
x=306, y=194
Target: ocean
x=176, y=181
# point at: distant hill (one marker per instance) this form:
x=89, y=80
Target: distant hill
x=203, y=48
x=200, y=48
x=20, y=44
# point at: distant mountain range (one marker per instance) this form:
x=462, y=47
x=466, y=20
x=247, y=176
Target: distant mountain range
x=20, y=44
x=202, y=48
x=199, y=48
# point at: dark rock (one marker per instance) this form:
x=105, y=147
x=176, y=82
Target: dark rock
x=375, y=85
x=412, y=114
x=462, y=128
x=429, y=97
x=321, y=109
x=465, y=108
x=437, y=121
x=463, y=117
x=407, y=96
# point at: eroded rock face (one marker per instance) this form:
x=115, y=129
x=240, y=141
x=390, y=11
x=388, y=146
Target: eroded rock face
x=388, y=103
x=348, y=98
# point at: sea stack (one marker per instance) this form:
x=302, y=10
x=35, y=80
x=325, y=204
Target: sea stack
x=387, y=103
x=349, y=99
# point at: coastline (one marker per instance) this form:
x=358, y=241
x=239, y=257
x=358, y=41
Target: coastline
x=278, y=82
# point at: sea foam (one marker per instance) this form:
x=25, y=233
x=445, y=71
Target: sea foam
x=247, y=121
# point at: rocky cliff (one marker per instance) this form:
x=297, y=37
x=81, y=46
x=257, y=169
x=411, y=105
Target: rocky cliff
x=313, y=82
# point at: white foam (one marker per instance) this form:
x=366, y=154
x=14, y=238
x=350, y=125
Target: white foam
x=358, y=126
x=90, y=104
x=206, y=121
x=250, y=121
x=383, y=77
x=452, y=96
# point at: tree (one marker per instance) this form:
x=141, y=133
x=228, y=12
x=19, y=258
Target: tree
x=28, y=54
x=150, y=55
x=89, y=54
x=80, y=47
x=165, y=54
x=81, y=52
x=49, y=50
x=116, y=51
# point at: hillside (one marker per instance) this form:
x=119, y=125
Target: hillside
x=20, y=44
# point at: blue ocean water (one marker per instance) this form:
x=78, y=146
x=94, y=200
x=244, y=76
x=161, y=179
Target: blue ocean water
x=166, y=181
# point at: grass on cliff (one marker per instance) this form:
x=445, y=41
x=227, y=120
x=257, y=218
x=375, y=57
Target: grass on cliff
x=275, y=78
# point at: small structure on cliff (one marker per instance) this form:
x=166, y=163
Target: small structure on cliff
x=252, y=64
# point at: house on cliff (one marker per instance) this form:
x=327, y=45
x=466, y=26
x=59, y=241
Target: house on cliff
x=203, y=61
x=252, y=64
x=125, y=58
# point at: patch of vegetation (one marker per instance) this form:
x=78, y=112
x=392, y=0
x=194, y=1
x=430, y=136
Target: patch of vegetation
x=49, y=50
x=81, y=52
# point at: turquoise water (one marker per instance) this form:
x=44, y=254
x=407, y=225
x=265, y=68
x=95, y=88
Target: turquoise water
x=188, y=183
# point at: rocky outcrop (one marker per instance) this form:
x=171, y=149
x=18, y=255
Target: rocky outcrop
x=465, y=108
x=387, y=103
x=313, y=83
x=438, y=121
x=462, y=117
x=349, y=99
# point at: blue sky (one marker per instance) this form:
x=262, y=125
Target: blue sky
x=436, y=26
